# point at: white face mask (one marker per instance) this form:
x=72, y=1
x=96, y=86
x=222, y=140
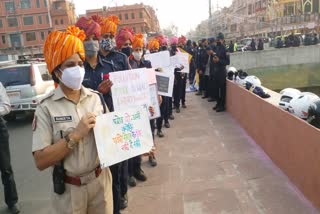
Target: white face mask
x=73, y=77
x=137, y=55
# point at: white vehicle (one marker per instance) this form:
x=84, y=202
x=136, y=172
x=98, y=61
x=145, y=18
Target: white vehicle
x=26, y=85
x=287, y=95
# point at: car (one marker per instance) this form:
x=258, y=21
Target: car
x=26, y=85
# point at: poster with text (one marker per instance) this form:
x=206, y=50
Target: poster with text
x=130, y=89
x=154, y=101
x=180, y=59
x=159, y=60
x=122, y=135
x=165, y=83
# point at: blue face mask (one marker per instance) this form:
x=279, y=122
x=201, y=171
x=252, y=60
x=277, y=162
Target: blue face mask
x=107, y=44
x=127, y=51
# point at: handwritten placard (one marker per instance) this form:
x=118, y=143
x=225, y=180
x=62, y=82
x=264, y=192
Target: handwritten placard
x=180, y=59
x=165, y=83
x=122, y=135
x=154, y=101
x=130, y=89
x=159, y=60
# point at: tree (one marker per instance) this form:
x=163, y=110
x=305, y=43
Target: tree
x=170, y=31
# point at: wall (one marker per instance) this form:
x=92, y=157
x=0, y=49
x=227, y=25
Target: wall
x=291, y=143
x=276, y=57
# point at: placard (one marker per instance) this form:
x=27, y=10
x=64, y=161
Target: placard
x=151, y=74
x=154, y=101
x=180, y=59
x=122, y=135
x=165, y=83
x=159, y=60
x=130, y=89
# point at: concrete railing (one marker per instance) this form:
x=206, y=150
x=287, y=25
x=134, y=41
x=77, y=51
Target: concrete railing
x=291, y=143
x=276, y=57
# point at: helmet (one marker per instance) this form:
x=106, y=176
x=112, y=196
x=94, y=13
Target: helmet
x=299, y=106
x=252, y=81
x=240, y=81
x=287, y=95
x=231, y=72
x=258, y=90
x=314, y=114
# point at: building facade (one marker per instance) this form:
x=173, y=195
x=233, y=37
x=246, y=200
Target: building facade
x=25, y=24
x=141, y=18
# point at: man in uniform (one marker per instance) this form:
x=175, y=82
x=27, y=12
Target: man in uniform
x=10, y=191
x=63, y=138
x=202, y=59
x=220, y=60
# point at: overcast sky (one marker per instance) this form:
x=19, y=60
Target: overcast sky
x=185, y=14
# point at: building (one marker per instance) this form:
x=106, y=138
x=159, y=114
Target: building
x=141, y=18
x=25, y=24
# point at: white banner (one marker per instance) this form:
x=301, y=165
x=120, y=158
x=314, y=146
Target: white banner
x=154, y=101
x=180, y=59
x=122, y=135
x=159, y=60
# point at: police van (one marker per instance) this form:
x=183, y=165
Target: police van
x=26, y=84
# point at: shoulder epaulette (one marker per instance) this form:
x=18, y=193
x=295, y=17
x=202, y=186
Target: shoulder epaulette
x=46, y=96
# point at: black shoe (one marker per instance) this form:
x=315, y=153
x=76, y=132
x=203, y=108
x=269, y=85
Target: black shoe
x=204, y=97
x=178, y=110
x=215, y=108
x=167, y=125
x=13, y=209
x=140, y=176
x=153, y=161
x=184, y=105
x=220, y=109
x=211, y=100
x=160, y=134
x=199, y=93
x=171, y=117
x=132, y=181
x=124, y=202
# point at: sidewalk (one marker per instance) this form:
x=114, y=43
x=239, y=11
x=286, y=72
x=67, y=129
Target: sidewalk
x=206, y=165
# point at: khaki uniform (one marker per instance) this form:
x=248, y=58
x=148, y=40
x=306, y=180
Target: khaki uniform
x=57, y=113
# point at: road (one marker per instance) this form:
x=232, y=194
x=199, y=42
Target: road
x=206, y=165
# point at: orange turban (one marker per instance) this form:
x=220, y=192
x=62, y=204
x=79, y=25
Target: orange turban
x=138, y=41
x=89, y=26
x=59, y=46
x=124, y=35
x=154, y=44
x=110, y=25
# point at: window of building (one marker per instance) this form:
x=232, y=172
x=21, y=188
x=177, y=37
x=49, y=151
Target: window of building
x=47, y=19
x=120, y=16
x=132, y=15
x=28, y=20
x=9, y=6
x=126, y=16
x=45, y=3
x=61, y=21
x=31, y=36
x=56, y=22
x=142, y=29
x=12, y=22
x=42, y=35
x=49, y=31
x=40, y=20
x=25, y=4
x=38, y=3
x=3, y=38
x=1, y=25
x=134, y=29
x=141, y=15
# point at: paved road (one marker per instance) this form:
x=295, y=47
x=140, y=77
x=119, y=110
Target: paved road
x=207, y=165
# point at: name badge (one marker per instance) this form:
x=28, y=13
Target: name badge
x=62, y=119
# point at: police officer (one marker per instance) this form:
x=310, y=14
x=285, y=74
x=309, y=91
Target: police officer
x=190, y=49
x=62, y=131
x=202, y=60
x=220, y=60
x=10, y=191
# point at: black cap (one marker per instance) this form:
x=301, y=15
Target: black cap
x=220, y=36
x=209, y=48
x=211, y=39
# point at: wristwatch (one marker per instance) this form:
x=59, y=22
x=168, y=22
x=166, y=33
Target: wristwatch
x=70, y=143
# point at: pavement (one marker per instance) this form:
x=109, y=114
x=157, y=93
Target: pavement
x=207, y=164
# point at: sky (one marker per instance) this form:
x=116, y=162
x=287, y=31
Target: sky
x=186, y=14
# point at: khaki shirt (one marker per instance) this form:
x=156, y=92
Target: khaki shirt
x=56, y=113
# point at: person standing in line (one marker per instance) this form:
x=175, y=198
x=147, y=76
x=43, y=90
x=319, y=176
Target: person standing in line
x=201, y=67
x=63, y=137
x=10, y=190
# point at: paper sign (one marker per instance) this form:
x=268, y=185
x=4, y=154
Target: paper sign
x=180, y=59
x=165, y=83
x=130, y=89
x=122, y=135
x=151, y=74
x=154, y=101
x=159, y=60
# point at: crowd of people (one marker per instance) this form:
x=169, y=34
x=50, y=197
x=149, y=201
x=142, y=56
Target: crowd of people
x=80, y=60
